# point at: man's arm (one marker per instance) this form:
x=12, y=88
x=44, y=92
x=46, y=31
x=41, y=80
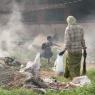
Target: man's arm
x=56, y=45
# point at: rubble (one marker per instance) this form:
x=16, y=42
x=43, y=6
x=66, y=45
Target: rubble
x=17, y=80
x=11, y=61
x=81, y=81
x=56, y=85
x=76, y=82
x=12, y=78
x=5, y=74
x=32, y=68
x=35, y=83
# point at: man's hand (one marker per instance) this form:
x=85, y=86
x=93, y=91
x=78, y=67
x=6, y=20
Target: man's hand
x=61, y=53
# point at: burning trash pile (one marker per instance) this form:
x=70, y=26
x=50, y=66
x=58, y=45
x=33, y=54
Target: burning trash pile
x=76, y=82
x=29, y=77
x=11, y=61
x=20, y=80
x=6, y=73
x=8, y=70
x=17, y=80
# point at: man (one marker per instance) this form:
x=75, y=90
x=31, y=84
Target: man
x=74, y=43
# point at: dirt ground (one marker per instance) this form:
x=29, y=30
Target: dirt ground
x=47, y=74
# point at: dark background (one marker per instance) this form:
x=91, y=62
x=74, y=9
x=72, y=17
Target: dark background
x=78, y=8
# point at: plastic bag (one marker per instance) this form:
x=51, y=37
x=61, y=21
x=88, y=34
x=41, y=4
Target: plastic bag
x=33, y=67
x=58, y=65
x=34, y=64
x=81, y=80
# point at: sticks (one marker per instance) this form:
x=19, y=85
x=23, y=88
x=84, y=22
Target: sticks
x=84, y=63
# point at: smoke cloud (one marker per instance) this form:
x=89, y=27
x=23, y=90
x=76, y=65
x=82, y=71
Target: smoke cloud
x=16, y=35
x=89, y=24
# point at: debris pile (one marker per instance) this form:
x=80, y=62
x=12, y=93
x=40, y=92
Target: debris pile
x=81, y=81
x=76, y=82
x=56, y=85
x=8, y=72
x=5, y=74
x=35, y=83
x=12, y=78
x=17, y=80
x=11, y=61
x=32, y=68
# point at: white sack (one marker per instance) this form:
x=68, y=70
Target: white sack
x=33, y=67
x=58, y=65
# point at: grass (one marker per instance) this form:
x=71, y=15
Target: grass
x=87, y=90
x=91, y=74
x=17, y=92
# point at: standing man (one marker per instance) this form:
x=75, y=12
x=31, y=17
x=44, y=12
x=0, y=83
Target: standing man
x=74, y=43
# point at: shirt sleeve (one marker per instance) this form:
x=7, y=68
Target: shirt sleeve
x=83, y=40
x=67, y=39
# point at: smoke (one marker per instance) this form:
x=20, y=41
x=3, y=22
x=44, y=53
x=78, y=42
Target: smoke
x=13, y=32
